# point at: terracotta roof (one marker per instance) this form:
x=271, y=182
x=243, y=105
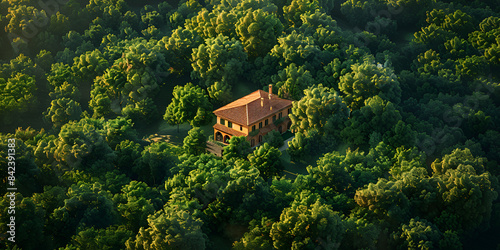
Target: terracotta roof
x=228, y=130
x=248, y=109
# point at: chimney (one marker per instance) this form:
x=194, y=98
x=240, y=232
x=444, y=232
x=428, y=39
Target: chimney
x=262, y=102
x=270, y=91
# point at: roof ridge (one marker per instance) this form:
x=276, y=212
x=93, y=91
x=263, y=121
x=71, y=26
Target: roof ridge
x=260, y=95
x=249, y=98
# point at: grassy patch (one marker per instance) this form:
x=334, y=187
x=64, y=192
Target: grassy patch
x=293, y=168
x=244, y=88
x=162, y=131
x=168, y=133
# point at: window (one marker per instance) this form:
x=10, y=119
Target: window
x=222, y=121
x=260, y=125
x=280, y=115
x=266, y=122
x=252, y=142
x=274, y=118
x=229, y=124
x=289, y=110
x=241, y=128
x=260, y=138
x=253, y=128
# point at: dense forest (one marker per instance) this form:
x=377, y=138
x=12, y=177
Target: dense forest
x=396, y=118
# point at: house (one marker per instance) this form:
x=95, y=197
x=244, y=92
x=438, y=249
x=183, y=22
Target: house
x=253, y=116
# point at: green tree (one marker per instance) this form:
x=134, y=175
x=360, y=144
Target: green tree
x=458, y=47
x=274, y=139
x=113, y=237
x=257, y=236
x=433, y=35
x=251, y=5
x=323, y=29
x=100, y=103
x=181, y=44
x=132, y=79
x=89, y=65
x=307, y=226
x=238, y=147
x=218, y=59
x=50, y=199
x=377, y=116
x=142, y=112
x=400, y=135
x=110, y=11
x=206, y=26
x=450, y=240
x=220, y=92
x=87, y=204
x=29, y=223
x=65, y=90
x=59, y=24
x=292, y=81
x=295, y=48
x=417, y=234
x=368, y=80
x=360, y=234
x=298, y=147
x=189, y=104
x=487, y=33
x=129, y=202
x=44, y=60
x=258, y=30
x=186, y=10
x=118, y=130
x=22, y=64
x=113, y=181
x=23, y=17
x=439, y=198
x=18, y=93
x=195, y=141
x=470, y=67
x=155, y=163
x=63, y=110
x=61, y=73
x=28, y=176
x=267, y=160
x=169, y=229
x=462, y=173
x=82, y=143
x=320, y=109
x=127, y=152
x=292, y=12
x=330, y=171
x=385, y=200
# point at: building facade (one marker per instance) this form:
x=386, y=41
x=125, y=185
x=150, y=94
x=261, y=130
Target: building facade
x=252, y=116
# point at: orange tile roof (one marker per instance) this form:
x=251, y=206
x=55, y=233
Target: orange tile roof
x=228, y=130
x=248, y=109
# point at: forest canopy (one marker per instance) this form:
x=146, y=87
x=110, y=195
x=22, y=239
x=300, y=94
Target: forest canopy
x=394, y=141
